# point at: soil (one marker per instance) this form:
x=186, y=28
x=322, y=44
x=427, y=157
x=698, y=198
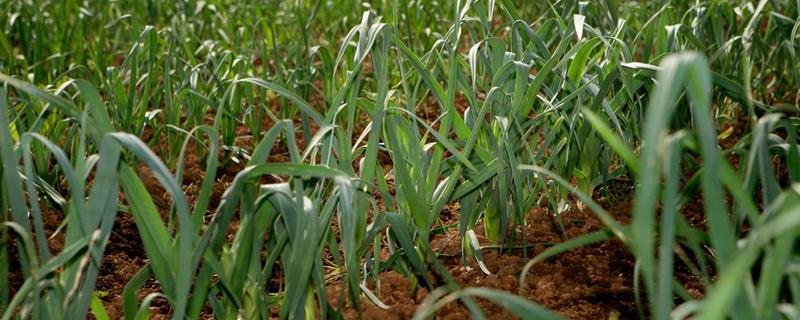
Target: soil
x=593, y=282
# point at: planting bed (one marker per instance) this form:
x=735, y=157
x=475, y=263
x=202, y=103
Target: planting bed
x=399, y=159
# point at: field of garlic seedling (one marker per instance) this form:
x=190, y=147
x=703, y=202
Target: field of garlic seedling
x=398, y=159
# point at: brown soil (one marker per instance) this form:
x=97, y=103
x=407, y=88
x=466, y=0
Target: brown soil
x=588, y=283
x=593, y=282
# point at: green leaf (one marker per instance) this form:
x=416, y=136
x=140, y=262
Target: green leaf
x=98, y=310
